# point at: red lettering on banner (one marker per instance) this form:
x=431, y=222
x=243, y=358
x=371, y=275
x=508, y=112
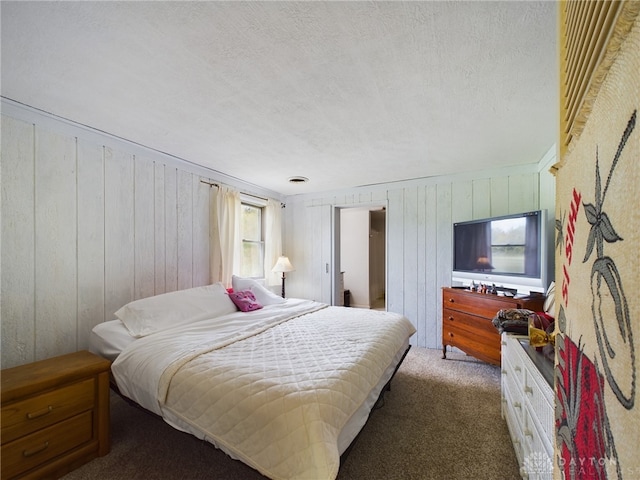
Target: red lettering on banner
x=568, y=250
x=565, y=284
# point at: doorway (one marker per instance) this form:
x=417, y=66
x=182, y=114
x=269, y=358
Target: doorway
x=360, y=256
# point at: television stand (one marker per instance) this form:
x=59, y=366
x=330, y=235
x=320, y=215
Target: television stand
x=467, y=321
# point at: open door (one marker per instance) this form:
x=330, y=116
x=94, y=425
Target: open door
x=359, y=259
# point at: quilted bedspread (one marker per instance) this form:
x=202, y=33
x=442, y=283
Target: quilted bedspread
x=276, y=394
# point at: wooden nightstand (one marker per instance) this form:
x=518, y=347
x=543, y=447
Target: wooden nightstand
x=55, y=415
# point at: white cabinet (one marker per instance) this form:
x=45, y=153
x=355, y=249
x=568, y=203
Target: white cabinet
x=527, y=407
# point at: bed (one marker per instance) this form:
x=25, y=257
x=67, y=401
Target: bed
x=284, y=386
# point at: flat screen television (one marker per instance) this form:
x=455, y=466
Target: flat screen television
x=508, y=251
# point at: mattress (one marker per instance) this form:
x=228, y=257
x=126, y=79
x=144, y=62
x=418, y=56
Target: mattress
x=162, y=371
x=109, y=338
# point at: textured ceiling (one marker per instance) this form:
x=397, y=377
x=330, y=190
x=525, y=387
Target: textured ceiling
x=344, y=93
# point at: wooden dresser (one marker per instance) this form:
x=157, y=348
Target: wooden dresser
x=466, y=321
x=55, y=415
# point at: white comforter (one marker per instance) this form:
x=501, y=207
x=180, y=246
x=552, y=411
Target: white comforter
x=273, y=387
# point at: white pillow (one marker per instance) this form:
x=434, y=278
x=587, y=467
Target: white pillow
x=154, y=314
x=263, y=295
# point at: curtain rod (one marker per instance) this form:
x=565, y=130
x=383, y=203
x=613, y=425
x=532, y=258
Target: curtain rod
x=242, y=193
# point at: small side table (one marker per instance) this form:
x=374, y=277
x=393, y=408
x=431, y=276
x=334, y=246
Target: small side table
x=55, y=415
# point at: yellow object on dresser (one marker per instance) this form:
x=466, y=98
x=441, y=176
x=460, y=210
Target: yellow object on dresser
x=55, y=415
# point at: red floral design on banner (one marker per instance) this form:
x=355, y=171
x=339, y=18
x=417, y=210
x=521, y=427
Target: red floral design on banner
x=581, y=421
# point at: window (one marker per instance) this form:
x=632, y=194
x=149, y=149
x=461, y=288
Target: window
x=252, y=234
x=508, y=242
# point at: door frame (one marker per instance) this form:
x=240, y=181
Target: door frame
x=335, y=245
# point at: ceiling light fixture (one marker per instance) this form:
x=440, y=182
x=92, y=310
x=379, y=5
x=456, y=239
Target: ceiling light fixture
x=298, y=179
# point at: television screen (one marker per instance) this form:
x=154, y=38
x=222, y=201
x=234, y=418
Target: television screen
x=507, y=249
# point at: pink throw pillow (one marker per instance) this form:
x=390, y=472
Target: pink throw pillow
x=245, y=300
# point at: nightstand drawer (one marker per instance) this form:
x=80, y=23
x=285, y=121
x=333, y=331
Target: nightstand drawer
x=26, y=416
x=54, y=415
x=31, y=450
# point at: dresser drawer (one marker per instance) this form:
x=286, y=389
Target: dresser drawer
x=533, y=437
x=513, y=370
x=514, y=416
x=528, y=408
x=453, y=329
x=484, y=305
x=26, y=416
x=540, y=396
x=482, y=346
x=479, y=326
x=32, y=450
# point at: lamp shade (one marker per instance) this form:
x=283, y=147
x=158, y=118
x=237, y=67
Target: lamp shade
x=483, y=263
x=283, y=265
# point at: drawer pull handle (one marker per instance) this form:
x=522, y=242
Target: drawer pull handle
x=451, y=300
x=517, y=368
x=451, y=318
x=451, y=334
x=528, y=390
x=503, y=371
x=528, y=433
x=35, y=451
x=40, y=413
x=517, y=405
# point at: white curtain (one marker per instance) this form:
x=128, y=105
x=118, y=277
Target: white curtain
x=224, y=234
x=273, y=241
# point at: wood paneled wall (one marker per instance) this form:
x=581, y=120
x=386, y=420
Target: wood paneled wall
x=420, y=215
x=87, y=228
x=89, y=223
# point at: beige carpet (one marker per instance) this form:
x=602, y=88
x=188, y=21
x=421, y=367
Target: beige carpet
x=441, y=420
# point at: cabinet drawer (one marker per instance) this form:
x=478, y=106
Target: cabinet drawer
x=510, y=350
x=480, y=326
x=516, y=396
x=514, y=425
x=535, y=446
x=30, y=451
x=477, y=303
x=537, y=394
x=514, y=374
x=484, y=348
x=31, y=414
